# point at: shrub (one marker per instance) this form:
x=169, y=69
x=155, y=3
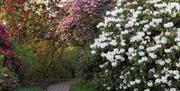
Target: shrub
x=140, y=45
x=30, y=61
x=66, y=65
x=88, y=67
x=9, y=63
x=8, y=79
x=75, y=26
x=34, y=88
x=81, y=87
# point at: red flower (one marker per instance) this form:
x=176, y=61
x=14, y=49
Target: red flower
x=6, y=43
x=4, y=33
x=14, y=8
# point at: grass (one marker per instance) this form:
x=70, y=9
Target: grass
x=80, y=87
x=36, y=88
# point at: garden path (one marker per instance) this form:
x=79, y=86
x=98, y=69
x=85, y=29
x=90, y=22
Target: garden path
x=62, y=86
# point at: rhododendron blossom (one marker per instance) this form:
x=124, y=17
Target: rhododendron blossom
x=81, y=16
x=9, y=63
x=140, y=41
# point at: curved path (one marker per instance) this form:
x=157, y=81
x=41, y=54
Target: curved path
x=63, y=86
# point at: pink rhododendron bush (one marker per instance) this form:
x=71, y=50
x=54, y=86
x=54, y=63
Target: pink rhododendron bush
x=82, y=16
x=140, y=46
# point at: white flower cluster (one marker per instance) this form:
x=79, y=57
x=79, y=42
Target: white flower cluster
x=47, y=1
x=38, y=1
x=59, y=3
x=143, y=45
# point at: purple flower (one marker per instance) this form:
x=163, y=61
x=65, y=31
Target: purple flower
x=69, y=22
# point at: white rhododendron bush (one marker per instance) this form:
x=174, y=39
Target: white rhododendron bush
x=140, y=46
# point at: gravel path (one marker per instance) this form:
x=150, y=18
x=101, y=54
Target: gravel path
x=64, y=86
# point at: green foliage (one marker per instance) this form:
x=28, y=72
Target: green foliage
x=36, y=88
x=88, y=68
x=80, y=87
x=70, y=58
x=26, y=54
x=60, y=71
x=8, y=79
x=66, y=64
x=29, y=59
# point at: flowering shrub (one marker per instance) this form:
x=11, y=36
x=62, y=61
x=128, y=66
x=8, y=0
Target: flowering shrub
x=8, y=80
x=140, y=45
x=29, y=19
x=9, y=64
x=75, y=25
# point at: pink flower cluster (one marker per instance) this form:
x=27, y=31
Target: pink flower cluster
x=84, y=6
x=75, y=12
x=69, y=22
x=81, y=17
